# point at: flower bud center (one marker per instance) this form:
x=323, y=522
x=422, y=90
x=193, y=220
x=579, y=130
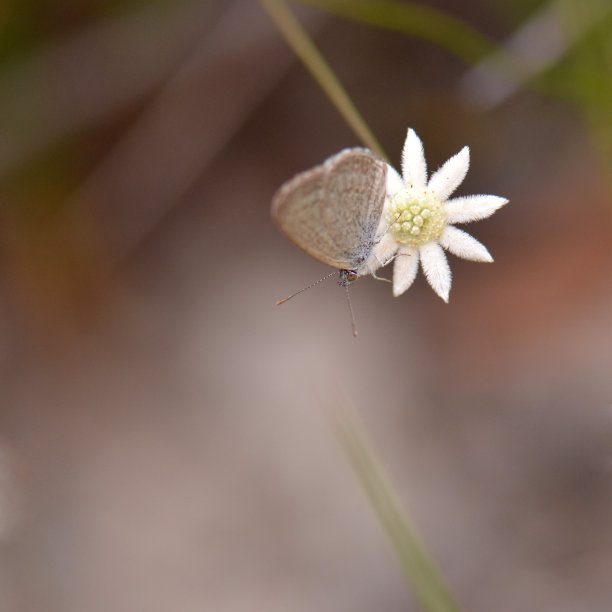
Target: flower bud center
x=415, y=216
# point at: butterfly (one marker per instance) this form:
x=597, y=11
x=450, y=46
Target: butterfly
x=333, y=210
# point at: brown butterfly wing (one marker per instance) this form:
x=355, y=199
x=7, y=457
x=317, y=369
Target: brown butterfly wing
x=332, y=211
x=356, y=185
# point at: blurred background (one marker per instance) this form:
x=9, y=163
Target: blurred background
x=163, y=444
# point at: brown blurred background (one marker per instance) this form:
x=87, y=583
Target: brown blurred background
x=162, y=444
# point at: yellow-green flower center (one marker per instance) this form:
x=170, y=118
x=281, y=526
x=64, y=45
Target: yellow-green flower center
x=415, y=216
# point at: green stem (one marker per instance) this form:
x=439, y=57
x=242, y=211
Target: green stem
x=418, y=567
x=305, y=49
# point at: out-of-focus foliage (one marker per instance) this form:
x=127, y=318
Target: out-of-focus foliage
x=414, y=19
x=584, y=74
x=25, y=24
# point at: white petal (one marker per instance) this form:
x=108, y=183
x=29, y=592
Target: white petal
x=405, y=269
x=381, y=254
x=394, y=181
x=460, y=243
x=472, y=208
x=436, y=268
x=445, y=180
x=385, y=249
x=414, y=166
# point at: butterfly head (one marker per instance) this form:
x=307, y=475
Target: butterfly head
x=347, y=277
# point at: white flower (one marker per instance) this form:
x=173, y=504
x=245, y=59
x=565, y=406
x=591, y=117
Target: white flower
x=418, y=219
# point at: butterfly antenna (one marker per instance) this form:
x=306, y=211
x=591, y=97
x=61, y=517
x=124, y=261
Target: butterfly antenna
x=350, y=305
x=305, y=288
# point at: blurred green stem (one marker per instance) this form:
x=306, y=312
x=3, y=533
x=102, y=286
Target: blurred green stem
x=305, y=49
x=420, y=571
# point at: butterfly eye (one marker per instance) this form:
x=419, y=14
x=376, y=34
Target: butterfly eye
x=347, y=277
